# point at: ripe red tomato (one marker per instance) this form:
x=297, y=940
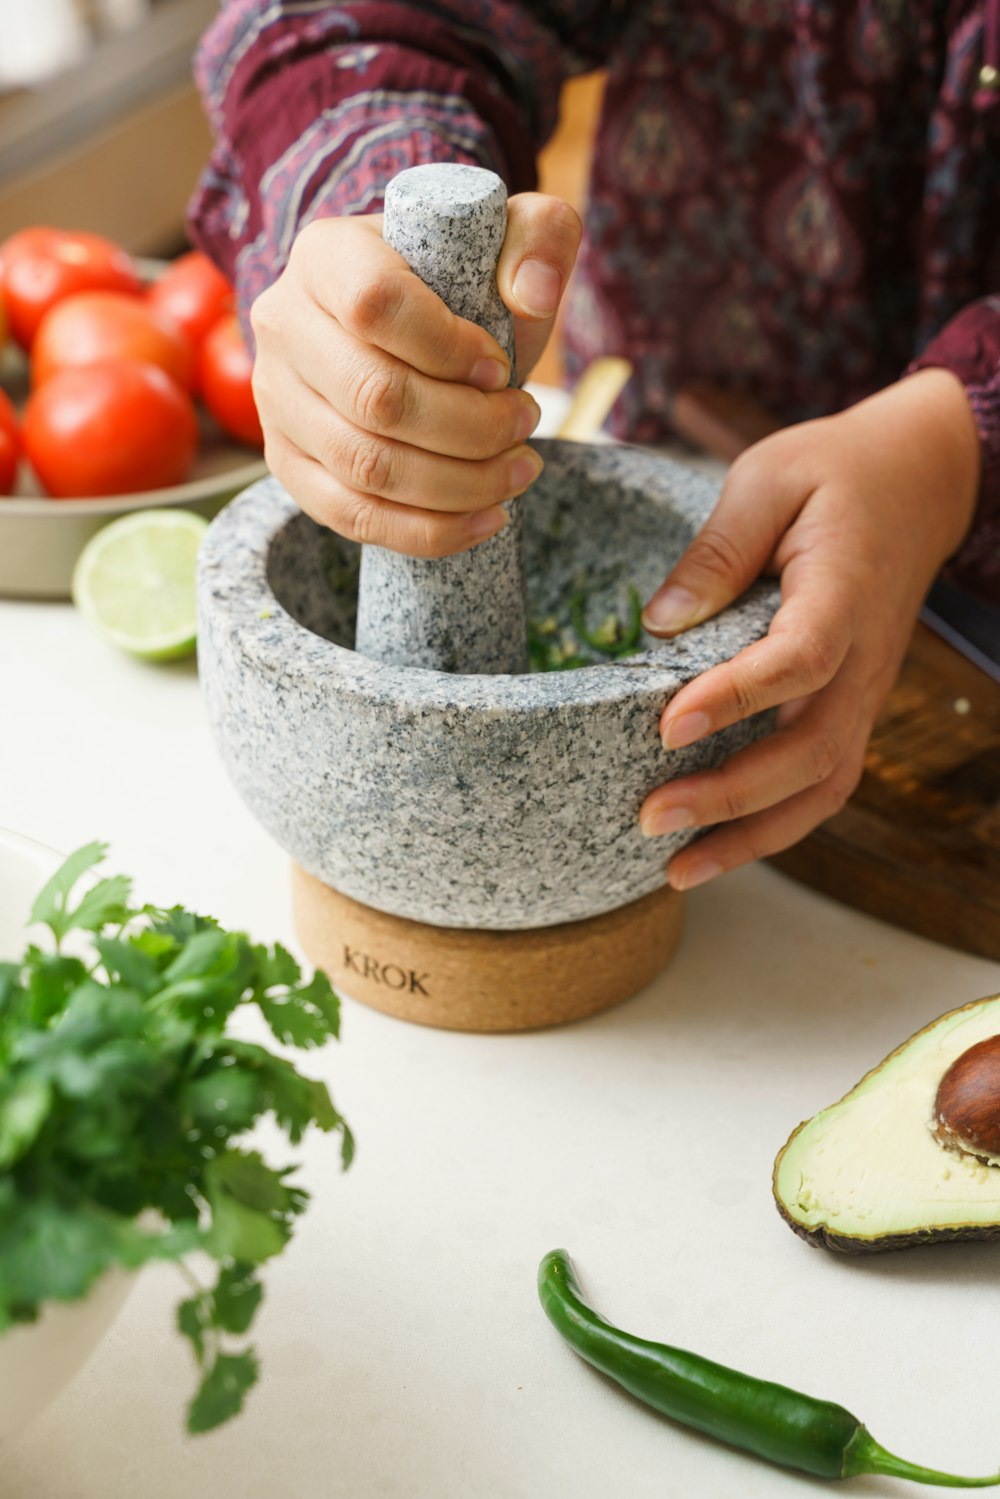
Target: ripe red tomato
x=110, y=429
x=193, y=292
x=10, y=444
x=224, y=370
x=100, y=327
x=40, y=267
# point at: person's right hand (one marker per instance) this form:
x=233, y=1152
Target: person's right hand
x=386, y=416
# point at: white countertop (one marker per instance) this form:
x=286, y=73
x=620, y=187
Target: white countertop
x=402, y=1346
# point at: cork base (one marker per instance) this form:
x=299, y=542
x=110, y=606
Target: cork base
x=485, y=981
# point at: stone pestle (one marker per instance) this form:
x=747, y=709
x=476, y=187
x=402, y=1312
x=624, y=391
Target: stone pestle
x=465, y=613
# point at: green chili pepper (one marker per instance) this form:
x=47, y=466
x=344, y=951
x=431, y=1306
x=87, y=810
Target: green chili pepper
x=768, y=1419
x=626, y=637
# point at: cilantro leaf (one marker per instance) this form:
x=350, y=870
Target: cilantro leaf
x=24, y=1107
x=229, y=1307
x=223, y=1098
x=56, y=1250
x=190, y=1323
x=208, y=978
x=122, y=1093
x=129, y=962
x=347, y=1144
x=305, y=1016
x=294, y=1024
x=178, y=924
x=242, y=1232
x=251, y=1207
x=237, y=1295
x=52, y=978
x=10, y=974
x=204, y=953
x=246, y=1176
x=275, y=966
x=296, y=1101
x=105, y=902
x=51, y=904
x=222, y=1391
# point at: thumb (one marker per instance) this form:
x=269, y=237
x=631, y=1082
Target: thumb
x=538, y=254
x=730, y=551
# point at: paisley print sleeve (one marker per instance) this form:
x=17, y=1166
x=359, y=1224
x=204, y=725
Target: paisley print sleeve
x=969, y=346
x=315, y=105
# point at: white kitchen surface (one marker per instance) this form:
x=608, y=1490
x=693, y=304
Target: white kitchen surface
x=402, y=1346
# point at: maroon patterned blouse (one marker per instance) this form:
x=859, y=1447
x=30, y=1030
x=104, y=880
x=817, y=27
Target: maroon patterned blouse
x=799, y=198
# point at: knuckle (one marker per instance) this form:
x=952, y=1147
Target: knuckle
x=826, y=753
x=416, y=534
x=496, y=428
x=264, y=315
x=376, y=304
x=327, y=445
x=565, y=224
x=746, y=466
x=497, y=432
x=448, y=343
x=713, y=552
x=360, y=520
x=733, y=803
x=380, y=398
x=819, y=655
x=745, y=691
x=370, y=466
x=743, y=697
x=490, y=484
x=311, y=236
x=432, y=539
x=481, y=445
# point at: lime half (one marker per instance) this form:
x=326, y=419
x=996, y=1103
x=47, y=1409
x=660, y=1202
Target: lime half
x=135, y=582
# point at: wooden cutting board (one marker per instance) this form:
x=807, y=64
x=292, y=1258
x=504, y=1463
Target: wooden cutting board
x=919, y=842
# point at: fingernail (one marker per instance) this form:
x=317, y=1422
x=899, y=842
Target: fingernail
x=670, y=820
x=489, y=374
x=698, y=873
x=488, y=522
x=529, y=417
x=537, y=287
x=685, y=729
x=524, y=470
x=670, y=611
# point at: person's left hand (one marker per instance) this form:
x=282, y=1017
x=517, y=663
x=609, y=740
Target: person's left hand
x=856, y=513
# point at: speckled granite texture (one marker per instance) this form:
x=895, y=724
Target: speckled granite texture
x=463, y=613
x=477, y=801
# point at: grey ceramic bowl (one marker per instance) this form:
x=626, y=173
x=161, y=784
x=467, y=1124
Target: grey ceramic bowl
x=41, y=538
x=469, y=801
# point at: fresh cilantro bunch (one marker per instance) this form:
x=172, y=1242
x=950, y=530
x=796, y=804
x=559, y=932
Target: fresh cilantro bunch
x=122, y=1102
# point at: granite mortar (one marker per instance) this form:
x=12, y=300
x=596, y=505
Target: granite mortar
x=483, y=801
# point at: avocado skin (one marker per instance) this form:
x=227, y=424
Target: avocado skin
x=822, y=1237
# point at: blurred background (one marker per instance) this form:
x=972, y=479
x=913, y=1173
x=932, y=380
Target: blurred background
x=101, y=127
x=100, y=124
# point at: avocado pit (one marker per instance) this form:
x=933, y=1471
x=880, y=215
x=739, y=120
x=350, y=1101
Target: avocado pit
x=967, y=1105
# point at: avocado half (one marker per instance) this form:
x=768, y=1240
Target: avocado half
x=869, y=1174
